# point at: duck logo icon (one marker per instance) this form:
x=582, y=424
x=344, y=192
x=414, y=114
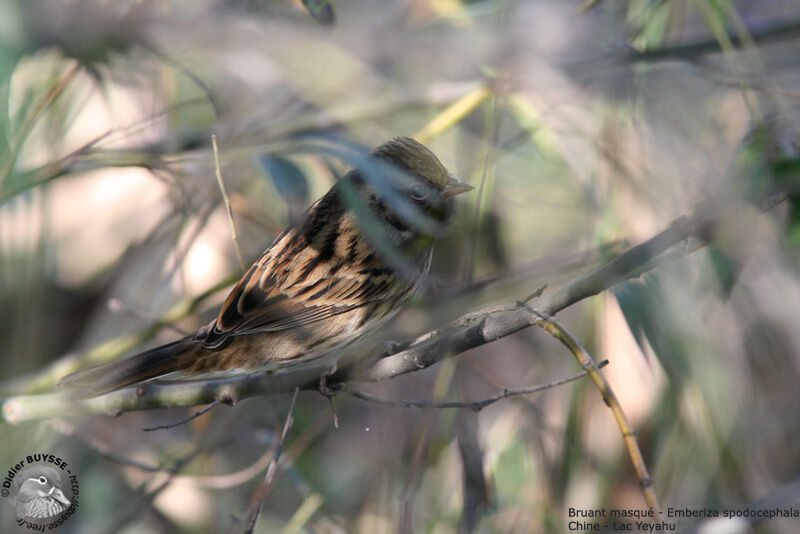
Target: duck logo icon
x=43, y=491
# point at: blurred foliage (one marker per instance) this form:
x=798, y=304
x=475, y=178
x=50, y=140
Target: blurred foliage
x=321, y=10
x=584, y=127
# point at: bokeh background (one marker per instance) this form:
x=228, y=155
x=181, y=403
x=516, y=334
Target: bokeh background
x=585, y=128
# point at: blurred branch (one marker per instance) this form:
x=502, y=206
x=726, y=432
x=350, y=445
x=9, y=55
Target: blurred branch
x=257, y=501
x=475, y=486
x=689, y=51
x=303, y=514
x=145, y=496
x=421, y=448
x=469, y=331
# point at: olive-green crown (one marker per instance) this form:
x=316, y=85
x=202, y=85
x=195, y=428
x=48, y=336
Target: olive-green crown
x=414, y=157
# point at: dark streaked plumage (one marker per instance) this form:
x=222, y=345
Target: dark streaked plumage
x=359, y=252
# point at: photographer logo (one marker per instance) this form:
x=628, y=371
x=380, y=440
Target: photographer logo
x=43, y=490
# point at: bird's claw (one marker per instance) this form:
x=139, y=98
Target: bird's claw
x=329, y=390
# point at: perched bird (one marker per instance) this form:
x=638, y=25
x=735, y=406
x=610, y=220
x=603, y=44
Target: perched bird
x=39, y=494
x=357, y=254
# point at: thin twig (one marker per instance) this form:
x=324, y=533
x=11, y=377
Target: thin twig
x=227, y=202
x=211, y=405
x=475, y=406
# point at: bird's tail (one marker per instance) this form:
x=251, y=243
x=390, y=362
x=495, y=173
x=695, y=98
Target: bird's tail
x=128, y=371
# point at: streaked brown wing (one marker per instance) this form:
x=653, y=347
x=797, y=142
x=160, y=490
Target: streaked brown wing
x=294, y=285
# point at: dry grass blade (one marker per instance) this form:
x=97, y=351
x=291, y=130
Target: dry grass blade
x=32, y=118
x=557, y=330
x=227, y=202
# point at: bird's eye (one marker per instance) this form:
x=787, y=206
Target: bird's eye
x=42, y=480
x=418, y=192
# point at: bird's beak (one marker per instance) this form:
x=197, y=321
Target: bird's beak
x=58, y=495
x=455, y=187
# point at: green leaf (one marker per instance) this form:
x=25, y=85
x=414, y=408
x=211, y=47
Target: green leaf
x=648, y=314
x=726, y=268
x=321, y=10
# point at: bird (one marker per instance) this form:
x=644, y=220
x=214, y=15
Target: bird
x=39, y=494
x=358, y=253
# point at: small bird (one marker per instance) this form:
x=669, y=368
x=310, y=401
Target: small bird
x=341, y=271
x=39, y=494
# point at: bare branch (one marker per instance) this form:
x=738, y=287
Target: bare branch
x=216, y=402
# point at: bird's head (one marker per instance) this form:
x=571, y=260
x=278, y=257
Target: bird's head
x=417, y=159
x=415, y=184
x=38, y=482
